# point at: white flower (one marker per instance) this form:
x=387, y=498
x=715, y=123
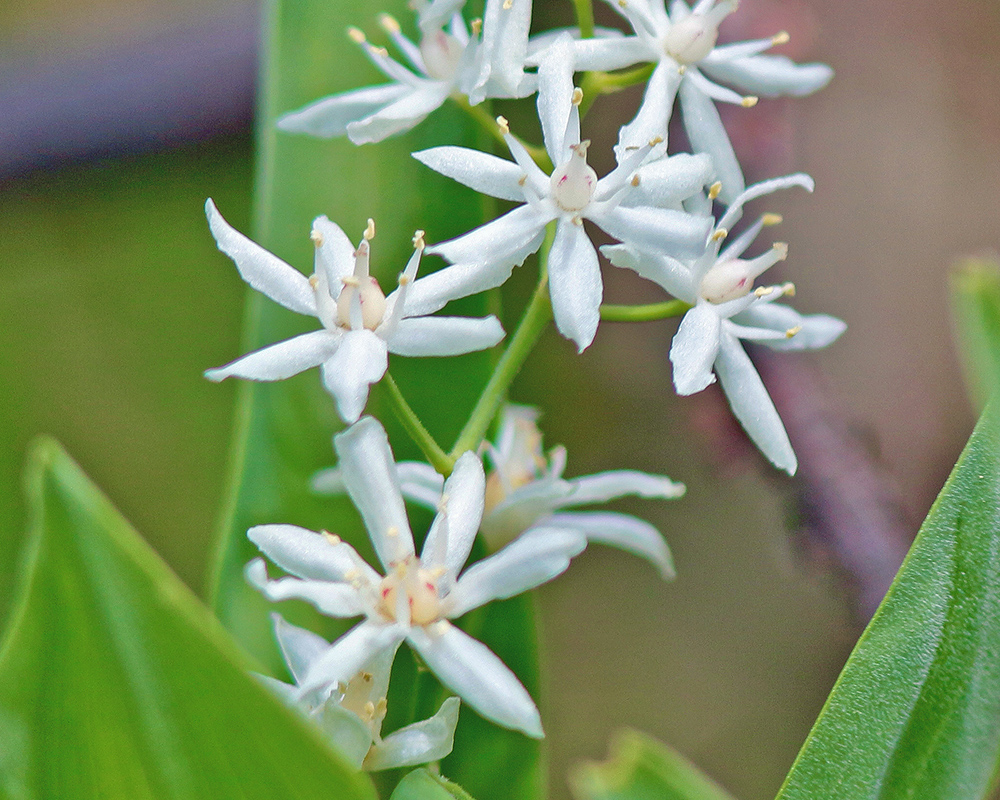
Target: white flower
x=418, y=596
x=682, y=44
x=525, y=490
x=725, y=309
x=350, y=714
x=485, y=257
x=448, y=61
x=360, y=324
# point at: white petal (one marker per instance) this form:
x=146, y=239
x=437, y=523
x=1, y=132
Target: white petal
x=360, y=361
x=816, y=330
x=659, y=230
x=575, y=284
x=299, y=646
x=429, y=740
x=483, y=172
x=501, y=241
x=669, y=273
x=335, y=254
x=344, y=730
x=281, y=360
x=328, y=481
x=620, y=530
x=770, y=76
x=707, y=135
x=752, y=405
x=657, y=104
x=604, y=486
x=555, y=93
x=346, y=656
x=471, y=670
x=263, y=270
x=756, y=190
x=609, y=53
x=332, y=599
x=433, y=292
x=330, y=116
x=666, y=182
x=401, y=115
x=694, y=349
x=307, y=554
x=370, y=475
x=444, y=336
x=454, y=528
x=535, y=557
x=420, y=483
x=504, y=49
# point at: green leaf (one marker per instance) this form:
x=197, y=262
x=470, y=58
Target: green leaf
x=916, y=711
x=975, y=300
x=641, y=768
x=115, y=682
x=422, y=785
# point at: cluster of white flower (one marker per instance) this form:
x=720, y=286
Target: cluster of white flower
x=661, y=209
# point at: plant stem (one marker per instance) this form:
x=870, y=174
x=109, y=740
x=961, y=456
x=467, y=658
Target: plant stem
x=648, y=313
x=536, y=317
x=594, y=84
x=437, y=457
x=585, y=18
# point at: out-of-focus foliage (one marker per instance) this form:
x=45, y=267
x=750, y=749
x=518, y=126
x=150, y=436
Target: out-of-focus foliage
x=975, y=298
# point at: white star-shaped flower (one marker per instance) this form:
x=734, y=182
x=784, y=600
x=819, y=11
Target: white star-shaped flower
x=484, y=258
x=450, y=60
x=350, y=714
x=525, y=490
x=360, y=324
x=419, y=595
x=725, y=309
x=682, y=43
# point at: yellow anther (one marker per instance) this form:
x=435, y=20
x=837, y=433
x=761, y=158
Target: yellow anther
x=392, y=532
x=792, y=331
x=577, y=220
x=714, y=189
x=508, y=5
x=635, y=179
x=365, y=676
x=440, y=628
x=370, y=230
x=314, y=281
x=522, y=180
x=763, y=291
x=771, y=219
x=437, y=572
x=332, y=538
x=317, y=237
x=719, y=235
x=379, y=51
x=341, y=687
x=504, y=125
x=349, y=280
x=369, y=710
x=403, y=279
x=781, y=37
x=418, y=240
x=476, y=26
x=388, y=23
x=655, y=141
x=381, y=706
x=749, y=101
x=351, y=575
x=781, y=248
x=622, y=4
x=356, y=34
x=681, y=69
x=577, y=95
x=788, y=289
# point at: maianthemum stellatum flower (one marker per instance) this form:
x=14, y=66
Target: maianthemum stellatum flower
x=418, y=596
x=691, y=68
x=361, y=326
x=449, y=60
x=485, y=257
x=725, y=309
x=350, y=714
x=525, y=489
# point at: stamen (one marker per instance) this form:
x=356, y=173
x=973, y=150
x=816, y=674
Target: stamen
x=749, y=101
x=767, y=220
x=635, y=179
x=508, y=5
x=714, y=189
x=389, y=23
x=350, y=280
x=763, y=291
x=655, y=141
x=418, y=240
x=392, y=531
x=357, y=36
x=440, y=628
x=781, y=248
x=577, y=97
x=370, y=230
x=476, y=26
x=788, y=289
x=522, y=180
x=719, y=235
x=314, y=281
x=504, y=125
x=317, y=238
x=781, y=37
x=792, y=331
x=332, y=538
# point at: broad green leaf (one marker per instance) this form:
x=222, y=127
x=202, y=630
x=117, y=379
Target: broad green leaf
x=916, y=711
x=641, y=768
x=422, y=785
x=975, y=299
x=115, y=682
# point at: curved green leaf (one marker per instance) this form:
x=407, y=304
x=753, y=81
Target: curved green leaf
x=422, y=785
x=115, y=682
x=916, y=711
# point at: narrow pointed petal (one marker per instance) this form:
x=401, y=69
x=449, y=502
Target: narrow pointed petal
x=370, y=476
x=263, y=270
x=483, y=172
x=501, y=241
x=332, y=599
x=299, y=646
x=707, y=135
x=281, y=360
x=401, y=115
x=522, y=508
x=760, y=189
x=694, y=349
x=752, y=404
x=444, y=336
x=654, y=114
x=659, y=230
x=420, y=483
x=360, y=361
x=619, y=530
x=420, y=743
x=770, y=76
x=575, y=284
x=473, y=672
x=335, y=252
x=344, y=730
x=815, y=330
x=454, y=528
x=604, y=486
x=535, y=557
x=668, y=272
x=307, y=554
x=555, y=93
x=346, y=656
x=433, y=292
x=330, y=116
x=328, y=481
x=666, y=182
x=611, y=52
x=503, y=50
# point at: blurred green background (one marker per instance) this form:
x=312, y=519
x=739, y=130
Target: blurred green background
x=113, y=300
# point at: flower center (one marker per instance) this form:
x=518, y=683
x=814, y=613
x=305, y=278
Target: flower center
x=573, y=182
x=727, y=280
x=441, y=53
x=420, y=589
x=369, y=296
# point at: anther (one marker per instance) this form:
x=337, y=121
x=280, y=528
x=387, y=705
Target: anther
x=504, y=125
x=379, y=51
x=508, y=5
x=655, y=141
x=357, y=36
x=719, y=235
x=317, y=237
x=781, y=37
x=349, y=280
x=792, y=331
x=332, y=538
x=577, y=96
x=522, y=180
x=767, y=220
x=392, y=532
x=388, y=23
x=788, y=289
x=714, y=189
x=749, y=101
x=763, y=291
x=476, y=26
x=440, y=628
x=370, y=230
x=681, y=69
x=314, y=281
x=635, y=179
x=781, y=248
x=418, y=240
x=577, y=220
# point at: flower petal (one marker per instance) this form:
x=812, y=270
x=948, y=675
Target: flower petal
x=604, y=486
x=668, y=272
x=522, y=508
x=334, y=253
x=619, y=530
x=429, y=740
x=752, y=405
x=344, y=729
x=281, y=360
x=654, y=114
x=346, y=656
x=659, y=230
x=694, y=349
x=263, y=270
x=360, y=361
x=606, y=53
x=555, y=97
x=332, y=599
x=454, y=528
x=707, y=135
x=503, y=51
x=575, y=284
x=502, y=241
x=433, y=292
x=401, y=115
x=307, y=554
x=299, y=646
x=770, y=76
x=370, y=476
x=483, y=172
x=420, y=483
x=444, y=336
x=330, y=116
x=535, y=557
x=666, y=182
x=471, y=670
x=815, y=330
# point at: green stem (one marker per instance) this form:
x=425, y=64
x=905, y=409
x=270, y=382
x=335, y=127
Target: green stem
x=489, y=124
x=653, y=311
x=585, y=18
x=437, y=457
x=536, y=317
x=594, y=84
